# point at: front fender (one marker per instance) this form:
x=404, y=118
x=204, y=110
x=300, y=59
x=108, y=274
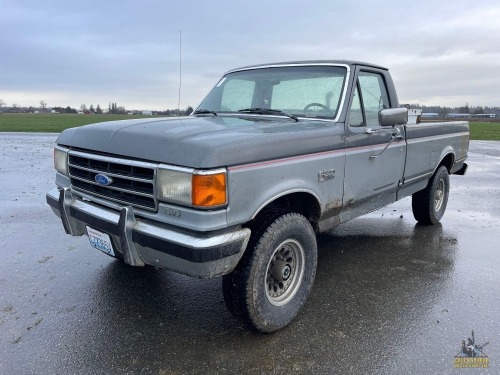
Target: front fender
x=253, y=187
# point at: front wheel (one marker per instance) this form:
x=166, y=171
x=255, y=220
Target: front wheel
x=273, y=280
x=429, y=204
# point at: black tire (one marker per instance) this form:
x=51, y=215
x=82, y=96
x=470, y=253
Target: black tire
x=429, y=204
x=275, y=276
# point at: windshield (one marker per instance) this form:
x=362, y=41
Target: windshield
x=302, y=91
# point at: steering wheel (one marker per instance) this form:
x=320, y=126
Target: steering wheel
x=316, y=105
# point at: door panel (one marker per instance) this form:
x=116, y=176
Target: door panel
x=372, y=174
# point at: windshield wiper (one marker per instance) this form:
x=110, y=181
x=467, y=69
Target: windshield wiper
x=268, y=111
x=204, y=112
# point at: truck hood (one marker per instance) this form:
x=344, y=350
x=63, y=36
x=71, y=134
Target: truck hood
x=205, y=142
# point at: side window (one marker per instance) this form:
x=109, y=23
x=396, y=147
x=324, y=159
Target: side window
x=355, y=113
x=237, y=94
x=374, y=96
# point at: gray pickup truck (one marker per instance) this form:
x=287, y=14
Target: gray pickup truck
x=273, y=155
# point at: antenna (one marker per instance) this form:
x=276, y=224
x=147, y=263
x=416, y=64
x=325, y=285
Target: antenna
x=180, y=73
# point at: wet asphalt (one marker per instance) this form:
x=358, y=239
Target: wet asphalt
x=390, y=296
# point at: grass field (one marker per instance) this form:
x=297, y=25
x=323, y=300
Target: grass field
x=485, y=131
x=55, y=123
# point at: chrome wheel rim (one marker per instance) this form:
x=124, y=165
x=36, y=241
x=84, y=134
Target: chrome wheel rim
x=439, y=195
x=284, y=272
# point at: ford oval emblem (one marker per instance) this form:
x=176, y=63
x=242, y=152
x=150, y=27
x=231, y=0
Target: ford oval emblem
x=102, y=179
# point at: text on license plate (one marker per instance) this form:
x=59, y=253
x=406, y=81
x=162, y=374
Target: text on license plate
x=100, y=241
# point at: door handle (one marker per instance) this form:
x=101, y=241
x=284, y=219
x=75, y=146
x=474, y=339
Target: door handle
x=397, y=134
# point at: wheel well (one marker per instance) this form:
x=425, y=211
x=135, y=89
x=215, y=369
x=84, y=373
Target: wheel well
x=303, y=203
x=447, y=161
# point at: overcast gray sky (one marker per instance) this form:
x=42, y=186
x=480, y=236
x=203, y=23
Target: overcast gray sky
x=96, y=52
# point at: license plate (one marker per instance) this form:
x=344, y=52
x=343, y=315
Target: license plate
x=100, y=241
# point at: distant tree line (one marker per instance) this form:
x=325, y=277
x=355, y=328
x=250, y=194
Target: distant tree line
x=175, y=112
x=113, y=108
x=466, y=109
x=68, y=109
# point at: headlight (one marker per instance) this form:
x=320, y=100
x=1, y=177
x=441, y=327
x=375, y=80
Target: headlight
x=174, y=184
x=204, y=189
x=61, y=160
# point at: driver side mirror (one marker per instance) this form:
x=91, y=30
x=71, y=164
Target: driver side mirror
x=393, y=116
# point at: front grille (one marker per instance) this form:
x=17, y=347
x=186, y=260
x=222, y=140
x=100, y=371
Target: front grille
x=133, y=182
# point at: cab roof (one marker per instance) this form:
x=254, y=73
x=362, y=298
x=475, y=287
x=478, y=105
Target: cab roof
x=308, y=62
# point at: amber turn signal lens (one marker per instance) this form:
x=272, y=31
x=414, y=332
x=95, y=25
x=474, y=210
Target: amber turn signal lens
x=209, y=189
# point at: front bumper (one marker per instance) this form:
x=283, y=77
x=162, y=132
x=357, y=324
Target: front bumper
x=141, y=242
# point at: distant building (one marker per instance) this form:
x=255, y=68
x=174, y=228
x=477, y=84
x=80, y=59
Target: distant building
x=484, y=115
x=430, y=115
x=147, y=113
x=458, y=115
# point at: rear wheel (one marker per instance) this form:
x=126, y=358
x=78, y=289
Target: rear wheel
x=273, y=280
x=429, y=204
